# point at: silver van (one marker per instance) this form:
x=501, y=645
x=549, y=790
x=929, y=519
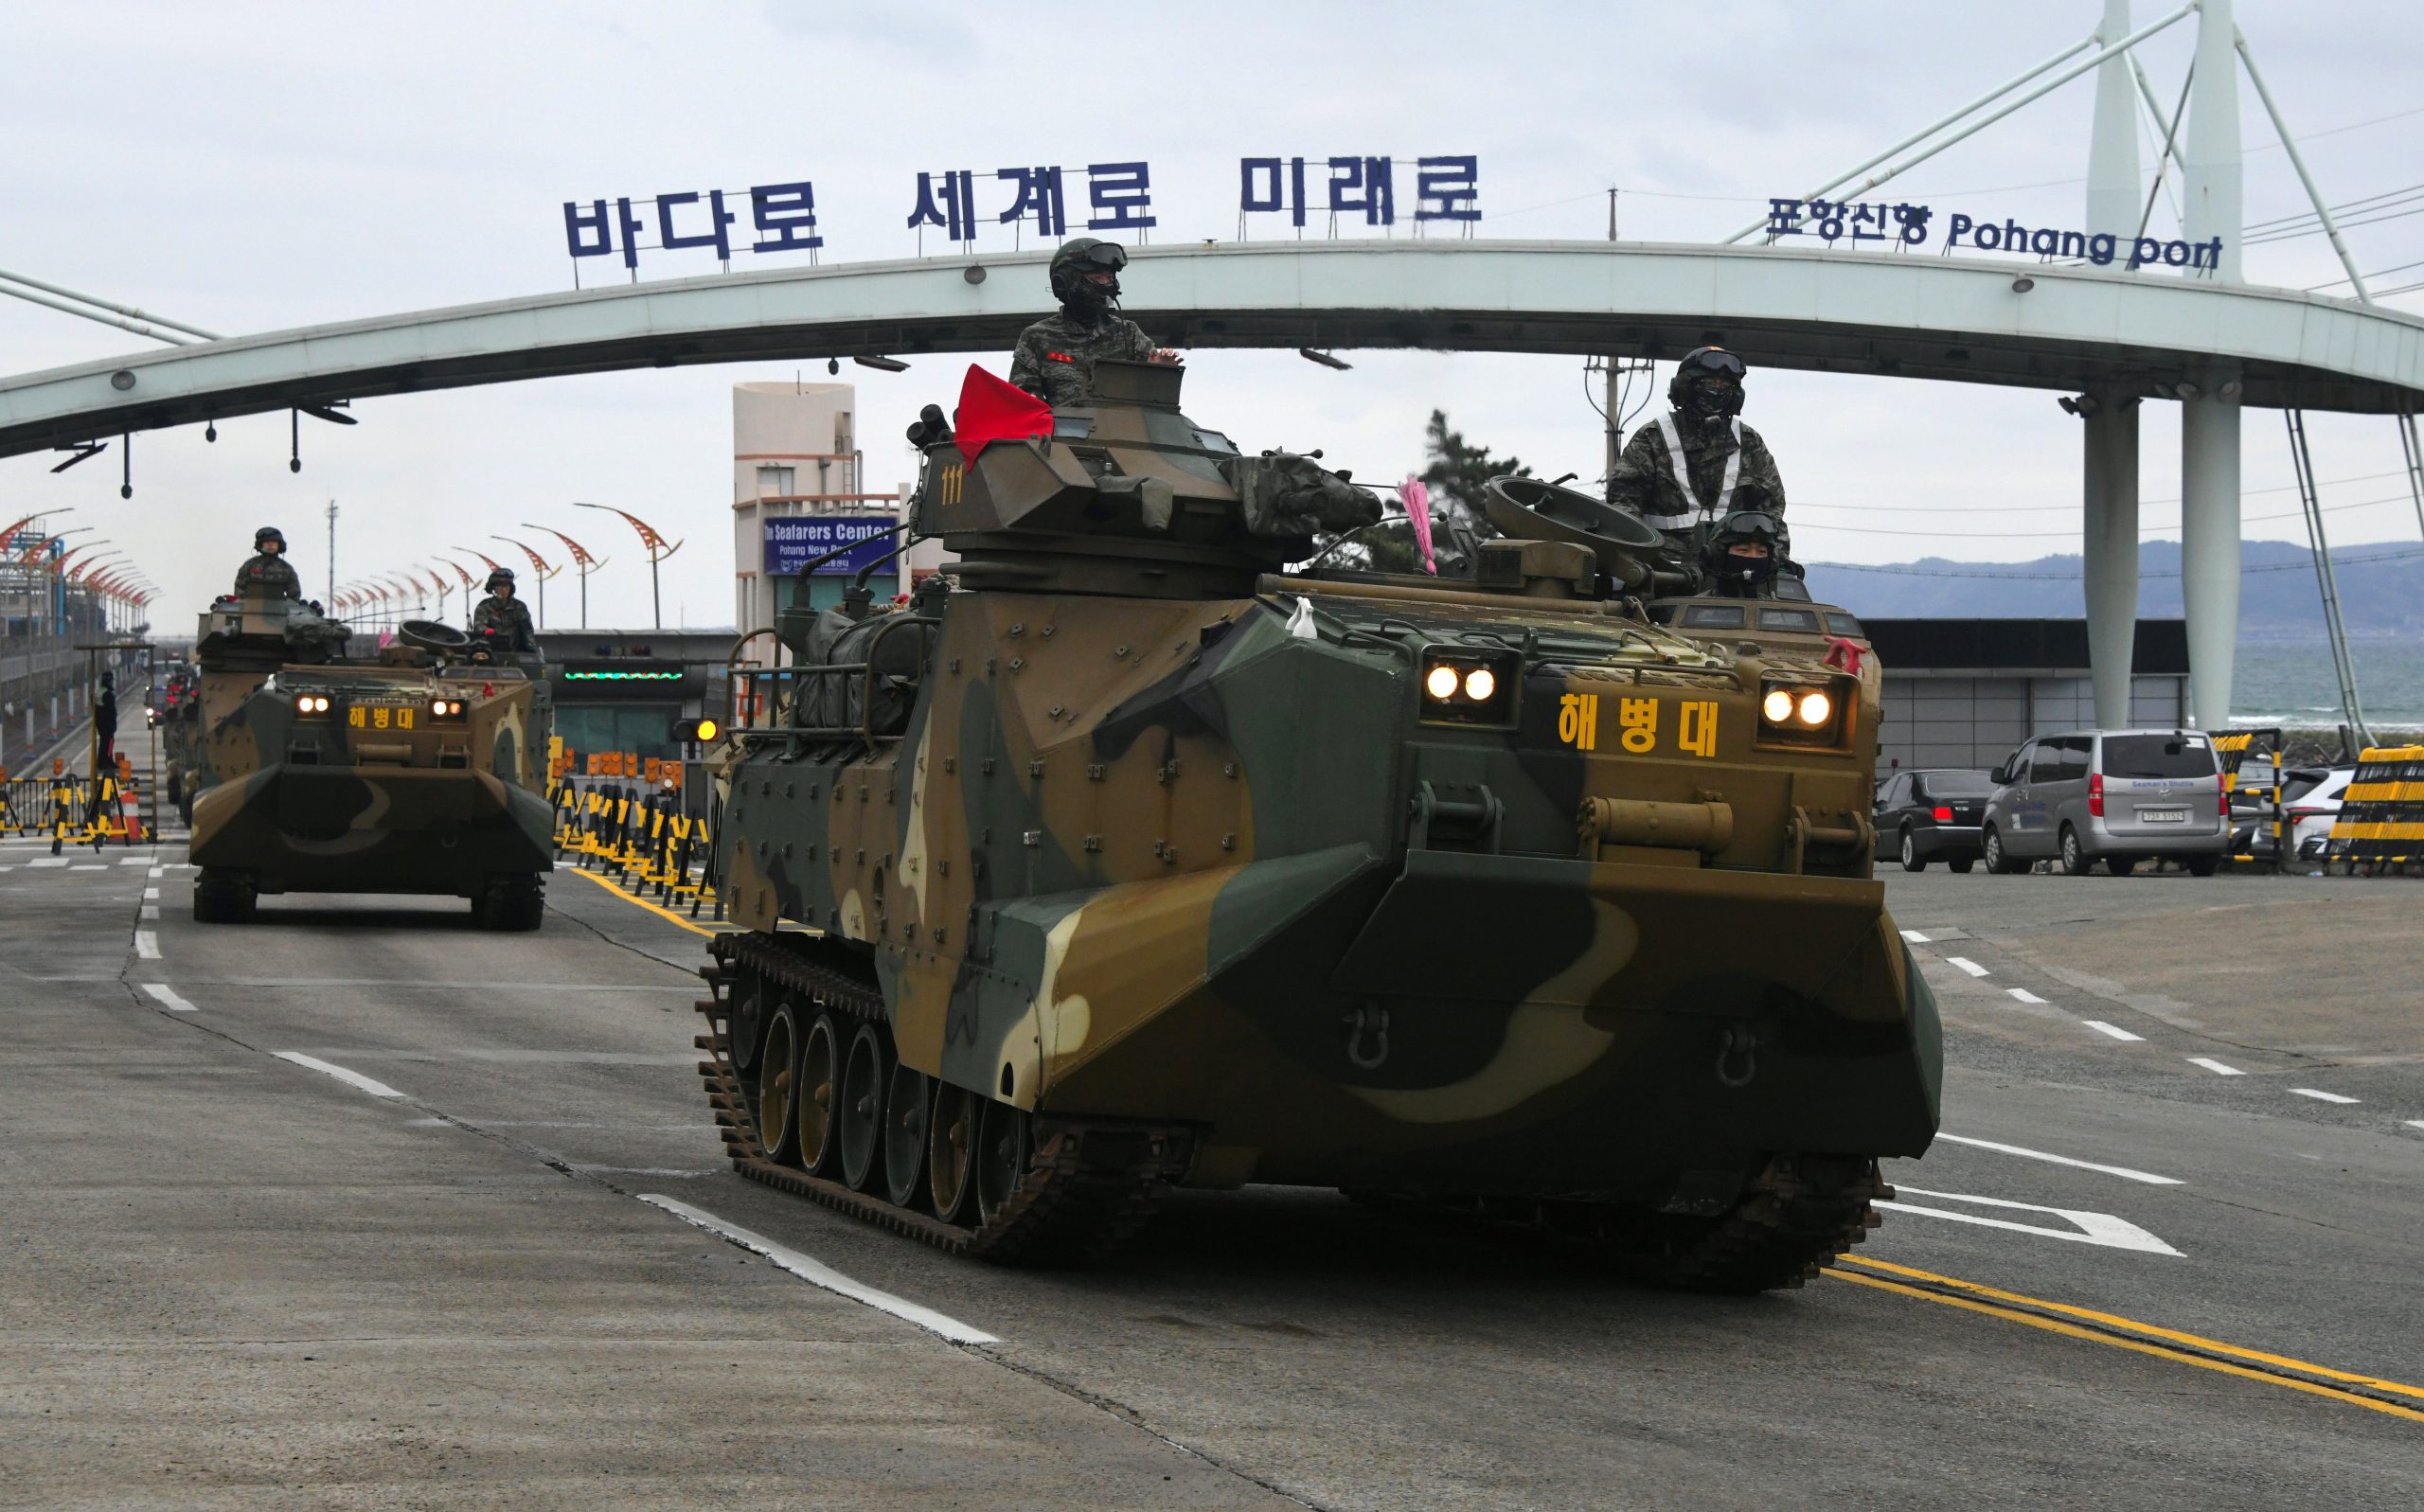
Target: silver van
x=2118, y=796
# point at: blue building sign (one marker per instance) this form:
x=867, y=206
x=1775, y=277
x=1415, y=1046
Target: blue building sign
x=792, y=542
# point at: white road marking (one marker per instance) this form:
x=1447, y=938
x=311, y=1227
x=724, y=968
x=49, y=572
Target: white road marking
x=147, y=945
x=47, y=860
x=2415, y=1123
x=135, y=860
x=816, y=1272
x=2122, y=1171
x=2320, y=1096
x=2215, y=1066
x=351, y=1078
x=2093, y=1228
x=150, y=911
x=155, y=871
x=2104, y=1029
x=151, y=893
x=90, y=865
x=1966, y=964
x=168, y=997
x=1915, y=937
x=2024, y=994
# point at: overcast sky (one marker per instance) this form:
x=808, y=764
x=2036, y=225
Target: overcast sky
x=256, y=167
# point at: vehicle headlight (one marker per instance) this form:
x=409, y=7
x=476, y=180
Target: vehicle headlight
x=1796, y=713
x=1480, y=684
x=1463, y=686
x=1777, y=705
x=1815, y=707
x=1440, y=682
x=312, y=703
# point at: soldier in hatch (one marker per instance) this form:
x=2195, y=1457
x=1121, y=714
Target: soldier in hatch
x=1700, y=463
x=1056, y=356
x=1744, y=557
x=268, y=572
x=503, y=616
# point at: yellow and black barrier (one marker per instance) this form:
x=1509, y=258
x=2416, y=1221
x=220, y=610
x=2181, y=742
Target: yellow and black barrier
x=2380, y=831
x=638, y=836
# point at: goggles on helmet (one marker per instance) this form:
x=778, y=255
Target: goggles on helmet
x=1103, y=257
x=1714, y=363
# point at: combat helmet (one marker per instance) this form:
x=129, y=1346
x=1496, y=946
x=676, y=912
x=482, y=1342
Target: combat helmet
x=269, y=533
x=501, y=575
x=1708, y=381
x=1078, y=257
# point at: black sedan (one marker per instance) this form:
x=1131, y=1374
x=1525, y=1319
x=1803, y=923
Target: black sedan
x=1933, y=814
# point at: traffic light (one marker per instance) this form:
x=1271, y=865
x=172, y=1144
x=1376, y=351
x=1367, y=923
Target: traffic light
x=699, y=731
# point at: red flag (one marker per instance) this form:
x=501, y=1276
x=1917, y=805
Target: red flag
x=991, y=410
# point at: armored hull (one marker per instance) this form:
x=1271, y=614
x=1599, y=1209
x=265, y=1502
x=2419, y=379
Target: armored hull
x=1501, y=898
x=411, y=774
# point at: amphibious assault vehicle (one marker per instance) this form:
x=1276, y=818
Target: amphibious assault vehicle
x=1130, y=859
x=414, y=770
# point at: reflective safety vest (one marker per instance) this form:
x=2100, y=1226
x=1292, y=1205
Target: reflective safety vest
x=1683, y=479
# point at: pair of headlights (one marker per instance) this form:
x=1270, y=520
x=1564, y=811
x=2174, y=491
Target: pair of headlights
x=1443, y=681
x=445, y=707
x=1810, y=707
x=312, y=703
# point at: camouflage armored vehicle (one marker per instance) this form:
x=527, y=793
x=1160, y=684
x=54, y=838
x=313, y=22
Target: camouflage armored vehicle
x=1132, y=860
x=413, y=771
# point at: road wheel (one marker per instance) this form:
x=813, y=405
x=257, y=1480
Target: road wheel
x=778, y=1087
x=2075, y=861
x=859, y=1116
x=908, y=1105
x=820, y=1070
x=752, y=999
x=1910, y=852
x=514, y=904
x=2199, y=866
x=2120, y=866
x=1004, y=1141
x=951, y=1153
x=1959, y=864
x=221, y=896
x=1997, y=861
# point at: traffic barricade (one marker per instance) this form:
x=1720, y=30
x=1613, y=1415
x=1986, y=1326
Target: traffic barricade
x=2379, y=830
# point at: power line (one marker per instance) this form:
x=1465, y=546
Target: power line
x=2343, y=563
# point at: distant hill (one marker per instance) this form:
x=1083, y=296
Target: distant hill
x=2381, y=589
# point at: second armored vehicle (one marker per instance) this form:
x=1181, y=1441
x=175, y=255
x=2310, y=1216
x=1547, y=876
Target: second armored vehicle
x=413, y=771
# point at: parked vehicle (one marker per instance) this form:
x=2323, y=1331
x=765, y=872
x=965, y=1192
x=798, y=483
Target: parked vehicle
x=1934, y=814
x=2118, y=796
x=2312, y=808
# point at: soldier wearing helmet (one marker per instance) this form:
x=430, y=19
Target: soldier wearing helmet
x=268, y=573
x=502, y=618
x=1744, y=555
x=1698, y=462
x=1056, y=356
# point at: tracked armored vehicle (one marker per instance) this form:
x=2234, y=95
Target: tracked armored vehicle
x=410, y=770
x=1132, y=860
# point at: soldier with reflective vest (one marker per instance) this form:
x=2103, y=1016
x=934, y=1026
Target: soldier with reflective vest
x=1700, y=463
x=504, y=617
x=267, y=572
x=1056, y=356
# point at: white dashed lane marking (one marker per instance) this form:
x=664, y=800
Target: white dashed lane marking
x=351, y=1078
x=147, y=945
x=817, y=1273
x=2215, y=1066
x=1915, y=937
x=2104, y=1029
x=2024, y=994
x=2320, y=1096
x=167, y=998
x=1966, y=964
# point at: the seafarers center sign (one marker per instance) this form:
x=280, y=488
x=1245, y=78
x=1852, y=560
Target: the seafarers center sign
x=1833, y=220
x=1113, y=198
x=792, y=542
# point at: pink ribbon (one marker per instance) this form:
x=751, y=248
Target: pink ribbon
x=1416, y=499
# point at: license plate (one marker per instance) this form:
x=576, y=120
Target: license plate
x=2163, y=816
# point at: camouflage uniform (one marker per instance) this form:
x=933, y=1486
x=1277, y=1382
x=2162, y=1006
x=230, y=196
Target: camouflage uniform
x=1710, y=454
x=268, y=573
x=509, y=618
x=1056, y=356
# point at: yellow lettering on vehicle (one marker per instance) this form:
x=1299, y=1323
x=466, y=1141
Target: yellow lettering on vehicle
x=378, y=719
x=1640, y=719
x=1696, y=728
x=403, y=719
x=1577, y=720
x=353, y=716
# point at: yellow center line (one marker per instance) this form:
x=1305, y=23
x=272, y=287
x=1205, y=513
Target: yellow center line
x=2178, y=1352
x=665, y=914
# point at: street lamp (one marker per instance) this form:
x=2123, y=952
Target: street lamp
x=582, y=560
x=539, y=570
x=657, y=552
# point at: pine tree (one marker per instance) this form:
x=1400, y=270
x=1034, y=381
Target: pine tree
x=1459, y=471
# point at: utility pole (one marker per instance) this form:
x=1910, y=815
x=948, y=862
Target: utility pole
x=333, y=550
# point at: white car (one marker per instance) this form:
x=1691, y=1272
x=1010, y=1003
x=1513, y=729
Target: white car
x=2311, y=810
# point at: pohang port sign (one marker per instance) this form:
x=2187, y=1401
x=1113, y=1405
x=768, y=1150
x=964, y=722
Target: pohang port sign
x=1832, y=221
x=792, y=542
